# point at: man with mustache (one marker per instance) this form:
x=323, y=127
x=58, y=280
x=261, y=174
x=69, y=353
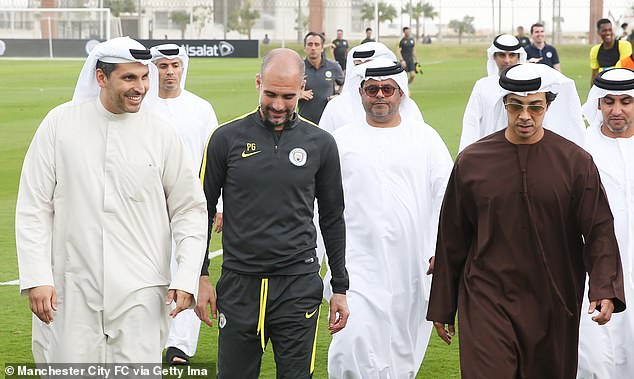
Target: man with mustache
x=610, y=113
x=523, y=219
x=395, y=168
x=105, y=188
x=271, y=165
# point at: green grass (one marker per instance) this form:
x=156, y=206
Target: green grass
x=30, y=88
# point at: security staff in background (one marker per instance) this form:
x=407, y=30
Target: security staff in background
x=339, y=48
x=323, y=77
x=407, y=52
x=271, y=166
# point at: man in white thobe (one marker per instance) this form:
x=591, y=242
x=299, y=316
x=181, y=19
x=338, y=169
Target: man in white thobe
x=606, y=352
x=478, y=120
x=482, y=117
x=395, y=171
x=194, y=119
x=104, y=187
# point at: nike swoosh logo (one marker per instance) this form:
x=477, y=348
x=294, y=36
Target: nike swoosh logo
x=246, y=155
x=309, y=315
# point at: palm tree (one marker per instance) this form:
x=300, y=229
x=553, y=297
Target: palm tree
x=181, y=19
x=461, y=27
x=415, y=12
x=387, y=12
x=243, y=19
x=428, y=12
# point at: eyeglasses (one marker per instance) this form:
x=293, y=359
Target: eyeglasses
x=533, y=109
x=373, y=91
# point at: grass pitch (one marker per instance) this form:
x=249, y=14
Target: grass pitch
x=30, y=88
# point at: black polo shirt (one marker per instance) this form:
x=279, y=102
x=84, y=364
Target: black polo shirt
x=407, y=47
x=322, y=81
x=340, y=50
x=548, y=54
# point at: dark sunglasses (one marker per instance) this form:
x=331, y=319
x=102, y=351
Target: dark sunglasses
x=373, y=90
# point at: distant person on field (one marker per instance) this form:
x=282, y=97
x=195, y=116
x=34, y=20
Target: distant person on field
x=624, y=32
x=541, y=52
x=323, y=78
x=407, y=53
x=610, y=51
x=368, y=36
x=524, y=41
x=339, y=47
x=266, y=39
x=105, y=188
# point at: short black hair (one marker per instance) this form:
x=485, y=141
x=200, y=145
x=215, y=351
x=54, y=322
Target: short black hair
x=368, y=29
x=603, y=21
x=405, y=28
x=106, y=67
x=310, y=34
x=340, y=30
x=536, y=25
x=624, y=25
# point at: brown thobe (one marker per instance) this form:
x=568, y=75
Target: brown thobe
x=519, y=227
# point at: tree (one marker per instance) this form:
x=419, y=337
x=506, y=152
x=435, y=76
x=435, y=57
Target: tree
x=243, y=19
x=203, y=15
x=461, y=27
x=428, y=12
x=120, y=6
x=415, y=12
x=181, y=19
x=387, y=12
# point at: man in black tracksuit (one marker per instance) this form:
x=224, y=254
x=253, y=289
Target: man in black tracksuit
x=271, y=165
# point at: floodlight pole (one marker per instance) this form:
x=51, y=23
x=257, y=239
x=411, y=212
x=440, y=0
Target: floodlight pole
x=376, y=17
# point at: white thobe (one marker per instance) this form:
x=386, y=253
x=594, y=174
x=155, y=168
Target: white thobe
x=394, y=180
x=606, y=351
x=479, y=120
x=194, y=119
x=100, y=197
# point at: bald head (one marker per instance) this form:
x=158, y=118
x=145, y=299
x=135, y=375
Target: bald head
x=282, y=62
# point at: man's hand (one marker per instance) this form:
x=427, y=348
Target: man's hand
x=43, y=301
x=218, y=222
x=183, y=301
x=339, y=313
x=403, y=63
x=206, y=295
x=306, y=95
x=607, y=307
x=445, y=334
x=430, y=270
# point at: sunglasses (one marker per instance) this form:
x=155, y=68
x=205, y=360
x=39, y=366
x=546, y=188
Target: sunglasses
x=373, y=90
x=533, y=109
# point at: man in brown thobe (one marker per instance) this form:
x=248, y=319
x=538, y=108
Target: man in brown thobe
x=523, y=218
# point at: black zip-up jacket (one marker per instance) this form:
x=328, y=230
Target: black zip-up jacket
x=269, y=184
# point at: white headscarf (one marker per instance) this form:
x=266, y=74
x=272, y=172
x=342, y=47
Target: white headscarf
x=502, y=44
x=408, y=108
x=366, y=53
x=564, y=113
x=616, y=81
x=116, y=50
x=172, y=51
